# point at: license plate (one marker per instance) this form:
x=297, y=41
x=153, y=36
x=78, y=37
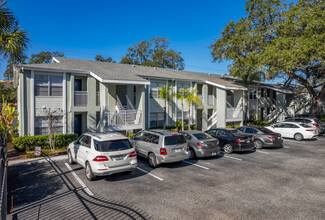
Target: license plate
x=177, y=150
x=248, y=141
x=279, y=137
x=213, y=154
x=118, y=158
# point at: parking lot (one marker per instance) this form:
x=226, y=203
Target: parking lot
x=271, y=183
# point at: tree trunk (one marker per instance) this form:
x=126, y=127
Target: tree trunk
x=189, y=116
x=316, y=105
x=165, y=115
x=182, y=117
x=245, y=105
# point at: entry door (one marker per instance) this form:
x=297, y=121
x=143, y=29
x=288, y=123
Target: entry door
x=199, y=119
x=77, y=124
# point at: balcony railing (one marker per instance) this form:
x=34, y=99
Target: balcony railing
x=210, y=99
x=97, y=98
x=234, y=114
x=80, y=98
x=125, y=117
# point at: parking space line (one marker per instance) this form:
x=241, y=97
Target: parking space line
x=79, y=180
x=234, y=158
x=263, y=152
x=286, y=147
x=196, y=165
x=157, y=177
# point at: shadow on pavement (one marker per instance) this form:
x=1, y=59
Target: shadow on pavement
x=45, y=191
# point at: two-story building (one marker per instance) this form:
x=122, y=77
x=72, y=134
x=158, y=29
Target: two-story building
x=84, y=95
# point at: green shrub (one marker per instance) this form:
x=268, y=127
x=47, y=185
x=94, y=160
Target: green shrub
x=185, y=126
x=28, y=143
x=193, y=127
x=230, y=126
x=130, y=135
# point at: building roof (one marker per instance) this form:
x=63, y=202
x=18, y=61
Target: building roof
x=130, y=74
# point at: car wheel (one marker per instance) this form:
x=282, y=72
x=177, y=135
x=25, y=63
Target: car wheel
x=192, y=154
x=89, y=173
x=258, y=144
x=298, y=137
x=227, y=149
x=70, y=160
x=152, y=160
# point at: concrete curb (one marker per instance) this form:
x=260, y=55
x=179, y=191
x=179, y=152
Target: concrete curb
x=36, y=160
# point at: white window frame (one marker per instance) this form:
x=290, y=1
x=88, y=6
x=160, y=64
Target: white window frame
x=49, y=84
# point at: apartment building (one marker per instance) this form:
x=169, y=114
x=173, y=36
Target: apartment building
x=83, y=95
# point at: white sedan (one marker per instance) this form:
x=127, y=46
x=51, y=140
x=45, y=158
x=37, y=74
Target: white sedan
x=295, y=130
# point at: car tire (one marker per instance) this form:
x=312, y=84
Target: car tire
x=192, y=154
x=89, y=172
x=70, y=160
x=227, y=148
x=298, y=137
x=258, y=144
x=152, y=160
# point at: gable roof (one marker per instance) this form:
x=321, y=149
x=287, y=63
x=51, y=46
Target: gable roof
x=131, y=74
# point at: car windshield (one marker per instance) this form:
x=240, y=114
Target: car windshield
x=236, y=132
x=202, y=136
x=265, y=130
x=305, y=126
x=110, y=146
x=174, y=140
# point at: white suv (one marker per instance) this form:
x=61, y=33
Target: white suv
x=103, y=154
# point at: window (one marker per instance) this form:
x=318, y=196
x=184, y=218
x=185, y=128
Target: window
x=187, y=136
x=174, y=140
x=281, y=125
x=182, y=85
x=252, y=94
x=110, y=146
x=221, y=133
x=241, y=129
x=185, y=116
x=156, y=119
x=262, y=92
x=85, y=141
x=154, y=139
x=138, y=136
x=146, y=137
x=251, y=131
x=42, y=125
x=48, y=85
x=291, y=126
x=202, y=136
x=154, y=89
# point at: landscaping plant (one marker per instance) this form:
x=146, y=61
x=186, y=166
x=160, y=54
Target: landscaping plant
x=8, y=118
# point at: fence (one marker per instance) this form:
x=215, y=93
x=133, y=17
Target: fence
x=3, y=176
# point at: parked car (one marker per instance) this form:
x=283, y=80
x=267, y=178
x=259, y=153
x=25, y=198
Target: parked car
x=295, y=130
x=201, y=144
x=262, y=136
x=160, y=146
x=102, y=154
x=314, y=122
x=231, y=140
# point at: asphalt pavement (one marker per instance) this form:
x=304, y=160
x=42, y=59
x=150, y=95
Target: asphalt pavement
x=271, y=183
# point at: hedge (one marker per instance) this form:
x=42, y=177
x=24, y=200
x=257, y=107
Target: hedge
x=28, y=143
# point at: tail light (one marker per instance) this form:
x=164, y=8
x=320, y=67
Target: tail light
x=133, y=154
x=309, y=130
x=100, y=158
x=240, y=140
x=188, y=148
x=163, y=151
x=316, y=125
x=199, y=144
x=271, y=137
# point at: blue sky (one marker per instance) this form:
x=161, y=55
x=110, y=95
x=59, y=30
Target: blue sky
x=82, y=29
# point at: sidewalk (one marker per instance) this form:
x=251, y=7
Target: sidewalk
x=44, y=189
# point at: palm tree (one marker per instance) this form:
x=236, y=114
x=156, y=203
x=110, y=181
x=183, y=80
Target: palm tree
x=180, y=95
x=166, y=93
x=13, y=41
x=191, y=96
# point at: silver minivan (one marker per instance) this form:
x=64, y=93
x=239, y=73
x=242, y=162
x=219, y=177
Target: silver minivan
x=160, y=146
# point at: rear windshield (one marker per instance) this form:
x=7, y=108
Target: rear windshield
x=318, y=121
x=174, y=140
x=202, y=136
x=305, y=126
x=236, y=133
x=265, y=130
x=110, y=146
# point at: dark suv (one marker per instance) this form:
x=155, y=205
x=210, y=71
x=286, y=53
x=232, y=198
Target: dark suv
x=231, y=140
